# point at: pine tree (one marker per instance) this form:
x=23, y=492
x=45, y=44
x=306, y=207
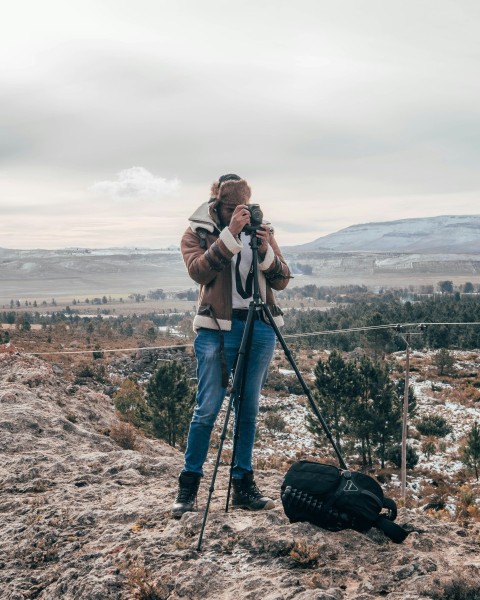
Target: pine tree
x=359, y=401
x=170, y=398
x=444, y=362
x=360, y=410
x=336, y=382
x=374, y=414
x=386, y=412
x=377, y=339
x=471, y=450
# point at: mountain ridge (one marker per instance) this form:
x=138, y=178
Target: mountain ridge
x=390, y=253
x=446, y=234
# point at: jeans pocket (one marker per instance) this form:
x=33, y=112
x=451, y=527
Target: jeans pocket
x=206, y=344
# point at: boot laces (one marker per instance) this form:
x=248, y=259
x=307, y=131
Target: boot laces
x=187, y=493
x=252, y=492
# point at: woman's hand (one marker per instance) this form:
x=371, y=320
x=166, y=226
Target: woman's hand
x=240, y=217
x=263, y=235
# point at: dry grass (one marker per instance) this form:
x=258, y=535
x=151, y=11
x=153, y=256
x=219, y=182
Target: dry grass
x=277, y=463
x=306, y=555
x=460, y=587
x=467, y=508
x=465, y=394
x=143, y=585
x=58, y=338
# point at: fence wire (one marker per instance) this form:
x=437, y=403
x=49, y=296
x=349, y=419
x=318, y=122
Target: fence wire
x=399, y=327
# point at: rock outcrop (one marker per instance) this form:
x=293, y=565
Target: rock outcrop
x=82, y=518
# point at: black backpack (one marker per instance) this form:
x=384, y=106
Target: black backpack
x=337, y=499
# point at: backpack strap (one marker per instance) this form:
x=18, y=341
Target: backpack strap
x=373, y=497
x=202, y=234
x=223, y=359
x=391, y=507
x=396, y=533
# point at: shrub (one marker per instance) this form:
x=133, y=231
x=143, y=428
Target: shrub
x=130, y=402
x=466, y=505
x=442, y=446
x=125, y=435
x=428, y=448
x=97, y=353
x=142, y=583
x=434, y=425
x=294, y=386
x=435, y=493
x=306, y=555
x=394, y=455
x=85, y=371
x=274, y=422
x=276, y=381
x=459, y=588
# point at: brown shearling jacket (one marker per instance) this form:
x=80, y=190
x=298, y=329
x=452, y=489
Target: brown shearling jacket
x=207, y=252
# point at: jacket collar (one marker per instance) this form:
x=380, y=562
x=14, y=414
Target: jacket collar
x=201, y=219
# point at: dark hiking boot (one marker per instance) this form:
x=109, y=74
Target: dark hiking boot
x=247, y=495
x=187, y=493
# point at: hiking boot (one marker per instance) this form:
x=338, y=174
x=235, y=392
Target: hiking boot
x=187, y=493
x=247, y=495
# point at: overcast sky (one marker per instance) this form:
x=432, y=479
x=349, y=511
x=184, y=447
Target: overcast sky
x=115, y=117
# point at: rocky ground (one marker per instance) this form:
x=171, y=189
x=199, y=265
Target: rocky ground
x=82, y=518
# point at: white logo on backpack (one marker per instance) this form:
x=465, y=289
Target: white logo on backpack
x=350, y=487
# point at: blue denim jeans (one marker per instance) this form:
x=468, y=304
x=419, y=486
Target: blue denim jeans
x=211, y=393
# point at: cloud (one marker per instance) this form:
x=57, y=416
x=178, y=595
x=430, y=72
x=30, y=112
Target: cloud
x=136, y=182
x=343, y=111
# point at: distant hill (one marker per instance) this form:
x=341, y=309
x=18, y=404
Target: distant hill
x=450, y=234
x=39, y=274
x=390, y=253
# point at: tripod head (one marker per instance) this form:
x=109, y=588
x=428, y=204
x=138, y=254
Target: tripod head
x=253, y=243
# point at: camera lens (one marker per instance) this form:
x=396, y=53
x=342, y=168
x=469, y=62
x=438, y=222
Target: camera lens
x=256, y=218
x=256, y=215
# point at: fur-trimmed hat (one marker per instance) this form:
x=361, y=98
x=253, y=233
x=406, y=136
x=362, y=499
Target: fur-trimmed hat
x=230, y=190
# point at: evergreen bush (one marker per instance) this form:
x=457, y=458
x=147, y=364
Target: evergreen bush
x=435, y=425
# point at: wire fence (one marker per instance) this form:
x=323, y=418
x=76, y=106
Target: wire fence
x=399, y=327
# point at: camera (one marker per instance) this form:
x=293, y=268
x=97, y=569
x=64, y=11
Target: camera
x=256, y=218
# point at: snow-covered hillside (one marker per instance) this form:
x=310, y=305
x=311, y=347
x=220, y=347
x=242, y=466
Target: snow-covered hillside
x=444, y=234
x=434, y=397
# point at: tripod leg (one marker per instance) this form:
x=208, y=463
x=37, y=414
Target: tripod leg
x=242, y=362
x=211, y=489
x=237, y=387
x=291, y=360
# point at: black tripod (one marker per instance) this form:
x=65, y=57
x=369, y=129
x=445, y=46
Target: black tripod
x=256, y=308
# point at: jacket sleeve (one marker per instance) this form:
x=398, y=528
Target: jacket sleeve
x=274, y=267
x=203, y=265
